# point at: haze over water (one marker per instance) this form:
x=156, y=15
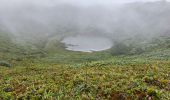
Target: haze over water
x=87, y=43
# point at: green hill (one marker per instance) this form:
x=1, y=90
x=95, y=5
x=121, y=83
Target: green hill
x=141, y=72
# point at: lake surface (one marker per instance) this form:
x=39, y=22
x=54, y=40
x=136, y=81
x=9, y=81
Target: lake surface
x=87, y=43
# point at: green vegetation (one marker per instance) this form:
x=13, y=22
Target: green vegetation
x=142, y=72
x=6, y=64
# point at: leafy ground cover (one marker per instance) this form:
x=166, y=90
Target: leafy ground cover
x=95, y=80
x=65, y=75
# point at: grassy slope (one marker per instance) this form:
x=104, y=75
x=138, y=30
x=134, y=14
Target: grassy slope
x=75, y=75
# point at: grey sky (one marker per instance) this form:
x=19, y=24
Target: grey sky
x=77, y=2
x=25, y=18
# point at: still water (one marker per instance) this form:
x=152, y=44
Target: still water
x=87, y=43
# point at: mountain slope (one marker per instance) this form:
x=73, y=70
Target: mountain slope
x=74, y=75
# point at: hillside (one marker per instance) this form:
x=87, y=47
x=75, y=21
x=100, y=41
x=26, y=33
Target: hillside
x=85, y=76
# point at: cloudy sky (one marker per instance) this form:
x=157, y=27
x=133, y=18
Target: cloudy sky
x=77, y=2
x=47, y=16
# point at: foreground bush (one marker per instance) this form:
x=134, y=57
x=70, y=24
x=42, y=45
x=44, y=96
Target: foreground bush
x=5, y=64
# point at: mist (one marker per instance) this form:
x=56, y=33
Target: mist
x=85, y=49
x=118, y=19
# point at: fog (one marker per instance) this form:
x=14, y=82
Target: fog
x=86, y=43
x=115, y=19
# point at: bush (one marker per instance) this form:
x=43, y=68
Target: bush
x=137, y=51
x=120, y=48
x=4, y=63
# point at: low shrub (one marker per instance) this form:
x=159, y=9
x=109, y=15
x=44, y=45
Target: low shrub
x=5, y=64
